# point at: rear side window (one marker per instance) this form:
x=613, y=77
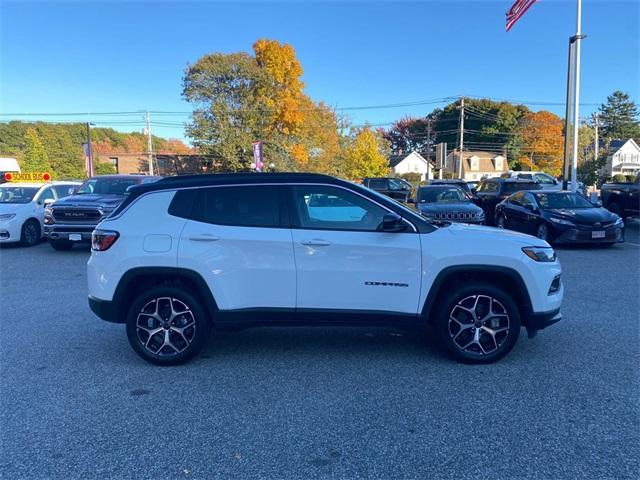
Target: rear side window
x=488, y=187
x=511, y=187
x=377, y=183
x=254, y=206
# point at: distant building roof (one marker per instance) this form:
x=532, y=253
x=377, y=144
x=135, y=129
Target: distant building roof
x=617, y=143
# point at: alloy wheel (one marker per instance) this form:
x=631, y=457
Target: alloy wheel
x=165, y=326
x=479, y=325
x=30, y=233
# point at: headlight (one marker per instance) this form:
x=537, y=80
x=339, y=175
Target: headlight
x=7, y=216
x=619, y=223
x=561, y=221
x=540, y=254
x=480, y=215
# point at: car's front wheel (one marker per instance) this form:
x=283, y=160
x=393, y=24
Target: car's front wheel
x=542, y=232
x=477, y=323
x=31, y=233
x=167, y=325
x=501, y=221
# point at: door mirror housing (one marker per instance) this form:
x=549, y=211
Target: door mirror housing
x=392, y=222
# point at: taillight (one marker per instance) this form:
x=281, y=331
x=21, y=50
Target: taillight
x=102, y=240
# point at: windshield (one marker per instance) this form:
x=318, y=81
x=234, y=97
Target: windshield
x=17, y=194
x=562, y=200
x=107, y=186
x=488, y=187
x=441, y=195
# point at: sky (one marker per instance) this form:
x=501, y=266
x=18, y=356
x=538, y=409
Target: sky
x=94, y=57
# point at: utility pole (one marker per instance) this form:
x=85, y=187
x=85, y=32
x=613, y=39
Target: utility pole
x=429, y=143
x=90, y=169
x=461, y=137
x=567, y=117
x=576, y=98
x=149, y=145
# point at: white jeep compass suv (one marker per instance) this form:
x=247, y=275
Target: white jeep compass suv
x=186, y=254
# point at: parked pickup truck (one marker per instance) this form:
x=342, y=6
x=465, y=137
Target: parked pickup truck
x=395, y=188
x=72, y=219
x=622, y=198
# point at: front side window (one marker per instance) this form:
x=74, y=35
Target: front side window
x=488, y=187
x=255, y=206
x=10, y=194
x=395, y=184
x=562, y=200
x=378, y=183
x=107, y=186
x=545, y=179
x=329, y=208
x=63, y=190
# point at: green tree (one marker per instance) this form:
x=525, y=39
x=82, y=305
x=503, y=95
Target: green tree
x=619, y=117
x=35, y=156
x=365, y=155
x=105, y=169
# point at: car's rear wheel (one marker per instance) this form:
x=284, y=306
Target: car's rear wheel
x=501, y=221
x=167, y=325
x=31, y=233
x=61, y=244
x=478, y=323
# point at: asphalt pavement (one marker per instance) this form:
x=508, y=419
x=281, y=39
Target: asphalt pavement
x=306, y=403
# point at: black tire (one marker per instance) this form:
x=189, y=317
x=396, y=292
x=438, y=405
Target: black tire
x=62, y=245
x=192, y=321
x=31, y=233
x=469, y=339
x=542, y=232
x=501, y=221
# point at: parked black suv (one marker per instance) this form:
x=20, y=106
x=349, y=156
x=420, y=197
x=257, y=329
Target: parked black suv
x=396, y=188
x=622, y=198
x=73, y=218
x=492, y=191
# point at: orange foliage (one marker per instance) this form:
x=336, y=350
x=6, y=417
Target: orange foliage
x=542, y=135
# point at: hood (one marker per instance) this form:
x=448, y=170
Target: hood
x=497, y=233
x=465, y=207
x=12, y=207
x=584, y=215
x=92, y=200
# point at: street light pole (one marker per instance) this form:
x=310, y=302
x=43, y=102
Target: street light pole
x=567, y=118
x=576, y=98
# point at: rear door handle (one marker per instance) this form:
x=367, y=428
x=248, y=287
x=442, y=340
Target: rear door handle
x=205, y=237
x=316, y=242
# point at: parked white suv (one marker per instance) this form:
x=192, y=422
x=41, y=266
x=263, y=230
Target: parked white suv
x=186, y=254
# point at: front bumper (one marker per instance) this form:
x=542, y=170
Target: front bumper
x=540, y=321
x=62, y=232
x=10, y=231
x=577, y=235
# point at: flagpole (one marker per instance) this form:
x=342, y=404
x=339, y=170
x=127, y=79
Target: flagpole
x=576, y=98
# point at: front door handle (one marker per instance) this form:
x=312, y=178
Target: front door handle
x=316, y=242
x=205, y=237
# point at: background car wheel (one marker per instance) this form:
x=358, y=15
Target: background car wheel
x=501, y=221
x=61, y=244
x=542, y=232
x=31, y=233
x=478, y=323
x=167, y=326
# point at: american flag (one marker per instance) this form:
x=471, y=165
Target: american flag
x=517, y=10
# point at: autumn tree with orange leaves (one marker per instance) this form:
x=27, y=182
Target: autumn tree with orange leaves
x=542, y=142
x=239, y=98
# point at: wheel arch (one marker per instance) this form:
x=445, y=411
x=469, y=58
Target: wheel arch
x=137, y=280
x=503, y=277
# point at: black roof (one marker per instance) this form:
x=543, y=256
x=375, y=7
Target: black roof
x=445, y=181
x=508, y=180
x=185, y=181
x=617, y=143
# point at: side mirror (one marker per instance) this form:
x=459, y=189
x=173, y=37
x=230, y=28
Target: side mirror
x=392, y=222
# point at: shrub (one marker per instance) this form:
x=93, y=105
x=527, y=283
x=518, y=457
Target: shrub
x=619, y=178
x=631, y=178
x=411, y=177
x=105, y=169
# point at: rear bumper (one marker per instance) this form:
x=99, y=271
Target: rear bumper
x=105, y=309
